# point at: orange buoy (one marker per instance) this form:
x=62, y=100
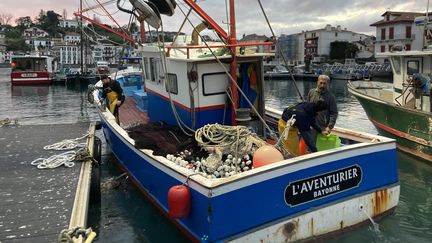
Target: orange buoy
x=179, y=201
x=266, y=154
x=302, y=147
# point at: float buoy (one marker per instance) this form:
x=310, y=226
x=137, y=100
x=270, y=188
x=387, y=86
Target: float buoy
x=302, y=147
x=265, y=155
x=179, y=201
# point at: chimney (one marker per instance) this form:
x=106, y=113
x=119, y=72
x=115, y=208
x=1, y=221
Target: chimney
x=328, y=27
x=338, y=28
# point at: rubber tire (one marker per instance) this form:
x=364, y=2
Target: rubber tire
x=95, y=188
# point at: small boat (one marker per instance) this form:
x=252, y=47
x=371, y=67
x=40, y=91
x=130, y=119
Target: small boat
x=202, y=149
x=31, y=69
x=402, y=109
x=102, y=67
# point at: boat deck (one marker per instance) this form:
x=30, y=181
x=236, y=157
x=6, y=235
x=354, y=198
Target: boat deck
x=36, y=205
x=130, y=115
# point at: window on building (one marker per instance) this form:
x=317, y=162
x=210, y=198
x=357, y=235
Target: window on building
x=391, y=33
x=171, y=83
x=336, y=34
x=382, y=48
x=407, y=47
x=383, y=33
x=408, y=32
x=387, y=17
x=390, y=47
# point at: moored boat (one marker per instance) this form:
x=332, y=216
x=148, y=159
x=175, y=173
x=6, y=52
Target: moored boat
x=402, y=110
x=31, y=69
x=226, y=182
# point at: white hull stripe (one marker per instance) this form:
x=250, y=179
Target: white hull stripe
x=30, y=79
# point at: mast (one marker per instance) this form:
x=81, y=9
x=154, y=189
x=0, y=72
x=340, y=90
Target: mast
x=233, y=41
x=81, y=42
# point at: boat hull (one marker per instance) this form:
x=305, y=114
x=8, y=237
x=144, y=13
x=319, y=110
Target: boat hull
x=411, y=128
x=237, y=208
x=31, y=78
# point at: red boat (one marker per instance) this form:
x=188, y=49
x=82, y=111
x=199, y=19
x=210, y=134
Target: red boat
x=102, y=67
x=31, y=69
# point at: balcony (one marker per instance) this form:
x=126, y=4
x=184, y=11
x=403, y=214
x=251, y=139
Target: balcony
x=401, y=37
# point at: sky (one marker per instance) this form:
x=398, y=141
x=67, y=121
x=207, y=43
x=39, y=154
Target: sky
x=285, y=16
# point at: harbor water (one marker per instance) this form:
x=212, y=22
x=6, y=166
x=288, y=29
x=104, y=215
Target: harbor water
x=125, y=215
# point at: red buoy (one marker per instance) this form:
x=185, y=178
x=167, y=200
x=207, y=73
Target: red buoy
x=302, y=147
x=266, y=154
x=179, y=201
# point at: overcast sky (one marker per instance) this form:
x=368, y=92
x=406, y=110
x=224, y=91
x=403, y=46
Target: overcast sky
x=285, y=16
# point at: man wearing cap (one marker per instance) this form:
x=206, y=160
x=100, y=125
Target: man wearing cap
x=114, y=92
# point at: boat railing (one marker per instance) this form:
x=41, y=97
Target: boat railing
x=246, y=44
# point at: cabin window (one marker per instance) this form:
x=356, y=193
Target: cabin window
x=396, y=63
x=413, y=67
x=146, y=69
x=171, y=83
x=214, y=83
x=154, y=69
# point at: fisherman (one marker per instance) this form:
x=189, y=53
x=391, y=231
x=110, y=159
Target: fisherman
x=304, y=114
x=114, y=92
x=327, y=118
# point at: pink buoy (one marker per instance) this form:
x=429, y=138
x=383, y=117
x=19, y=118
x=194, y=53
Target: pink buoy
x=265, y=155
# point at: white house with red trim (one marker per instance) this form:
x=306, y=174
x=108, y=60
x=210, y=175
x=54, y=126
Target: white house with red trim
x=397, y=29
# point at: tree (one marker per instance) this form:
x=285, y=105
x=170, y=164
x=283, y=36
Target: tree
x=342, y=50
x=17, y=45
x=49, y=22
x=24, y=22
x=5, y=18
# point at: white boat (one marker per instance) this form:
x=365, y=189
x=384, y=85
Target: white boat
x=181, y=157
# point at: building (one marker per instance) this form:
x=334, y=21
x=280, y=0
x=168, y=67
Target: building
x=366, y=48
x=287, y=45
x=254, y=38
x=105, y=52
x=72, y=37
x=69, y=53
x=34, y=32
x=69, y=23
x=315, y=44
x=397, y=29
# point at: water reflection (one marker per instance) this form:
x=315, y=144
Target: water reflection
x=30, y=90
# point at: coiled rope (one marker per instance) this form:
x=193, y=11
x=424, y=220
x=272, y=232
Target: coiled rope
x=237, y=140
x=8, y=122
x=65, y=158
x=68, y=235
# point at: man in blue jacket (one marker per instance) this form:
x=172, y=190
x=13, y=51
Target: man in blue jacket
x=305, y=113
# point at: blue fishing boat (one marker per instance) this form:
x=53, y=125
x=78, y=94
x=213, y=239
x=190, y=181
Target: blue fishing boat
x=220, y=181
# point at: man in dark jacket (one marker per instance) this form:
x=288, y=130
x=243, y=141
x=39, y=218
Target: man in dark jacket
x=114, y=92
x=326, y=118
x=305, y=113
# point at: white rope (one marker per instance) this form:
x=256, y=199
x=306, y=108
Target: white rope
x=237, y=140
x=67, y=144
x=56, y=160
x=65, y=158
x=286, y=130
